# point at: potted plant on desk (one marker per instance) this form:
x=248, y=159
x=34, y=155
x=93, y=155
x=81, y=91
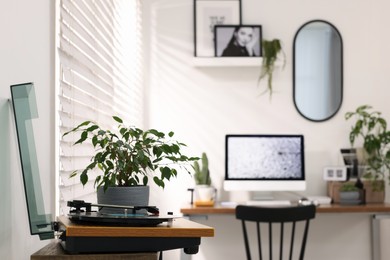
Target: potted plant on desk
x=371, y=127
x=126, y=159
x=350, y=194
x=204, y=192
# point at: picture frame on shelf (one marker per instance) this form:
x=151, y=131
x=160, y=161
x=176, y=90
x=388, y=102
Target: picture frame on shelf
x=207, y=14
x=238, y=41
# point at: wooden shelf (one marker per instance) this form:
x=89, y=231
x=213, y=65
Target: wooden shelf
x=227, y=61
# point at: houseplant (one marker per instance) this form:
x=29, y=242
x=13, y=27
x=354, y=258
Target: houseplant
x=204, y=191
x=202, y=173
x=271, y=50
x=128, y=158
x=371, y=128
x=350, y=194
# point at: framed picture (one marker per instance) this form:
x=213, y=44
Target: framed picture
x=238, y=41
x=207, y=14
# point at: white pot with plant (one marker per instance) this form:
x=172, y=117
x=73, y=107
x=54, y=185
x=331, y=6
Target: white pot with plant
x=204, y=192
x=127, y=159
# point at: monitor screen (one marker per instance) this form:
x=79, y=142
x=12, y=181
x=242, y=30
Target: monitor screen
x=264, y=162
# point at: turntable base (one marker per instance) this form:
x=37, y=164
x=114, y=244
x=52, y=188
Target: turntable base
x=54, y=251
x=86, y=239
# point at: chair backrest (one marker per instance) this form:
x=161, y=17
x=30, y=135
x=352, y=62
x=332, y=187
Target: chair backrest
x=272, y=216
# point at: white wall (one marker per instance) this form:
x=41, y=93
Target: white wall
x=202, y=105
x=26, y=51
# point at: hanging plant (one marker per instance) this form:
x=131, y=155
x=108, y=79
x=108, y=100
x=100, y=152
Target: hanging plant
x=271, y=49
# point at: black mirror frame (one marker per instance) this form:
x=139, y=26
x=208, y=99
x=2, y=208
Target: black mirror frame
x=341, y=76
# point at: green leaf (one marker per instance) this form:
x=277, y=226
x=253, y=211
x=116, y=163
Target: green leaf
x=166, y=149
x=74, y=173
x=94, y=141
x=77, y=128
x=145, y=180
x=92, y=128
x=170, y=134
x=84, y=136
x=157, y=160
x=157, y=151
x=119, y=120
x=165, y=173
x=122, y=131
x=84, y=177
x=175, y=148
x=159, y=182
x=110, y=165
x=156, y=133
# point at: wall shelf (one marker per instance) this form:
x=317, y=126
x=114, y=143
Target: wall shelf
x=227, y=61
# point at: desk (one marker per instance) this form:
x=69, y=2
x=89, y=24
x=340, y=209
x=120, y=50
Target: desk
x=377, y=212
x=182, y=233
x=332, y=208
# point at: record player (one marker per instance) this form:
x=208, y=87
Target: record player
x=85, y=229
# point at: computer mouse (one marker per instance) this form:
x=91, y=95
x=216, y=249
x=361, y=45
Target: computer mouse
x=304, y=201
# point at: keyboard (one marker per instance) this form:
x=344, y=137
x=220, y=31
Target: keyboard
x=268, y=203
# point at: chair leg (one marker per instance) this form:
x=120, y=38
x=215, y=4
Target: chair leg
x=304, y=240
x=247, y=250
x=292, y=240
x=270, y=240
x=281, y=241
x=259, y=240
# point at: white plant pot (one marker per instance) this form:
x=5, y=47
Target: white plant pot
x=204, y=193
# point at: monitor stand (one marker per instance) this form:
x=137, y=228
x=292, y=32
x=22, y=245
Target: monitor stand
x=262, y=195
x=267, y=199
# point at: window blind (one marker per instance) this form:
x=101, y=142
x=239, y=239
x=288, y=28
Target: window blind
x=98, y=75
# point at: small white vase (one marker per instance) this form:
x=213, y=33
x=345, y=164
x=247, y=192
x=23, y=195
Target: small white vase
x=204, y=193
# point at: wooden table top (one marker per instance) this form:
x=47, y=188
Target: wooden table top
x=332, y=208
x=180, y=228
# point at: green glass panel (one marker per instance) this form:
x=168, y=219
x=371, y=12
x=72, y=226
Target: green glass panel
x=25, y=111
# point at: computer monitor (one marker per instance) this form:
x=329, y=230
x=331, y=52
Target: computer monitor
x=264, y=163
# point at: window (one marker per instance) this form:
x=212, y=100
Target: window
x=98, y=75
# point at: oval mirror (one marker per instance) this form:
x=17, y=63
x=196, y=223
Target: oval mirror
x=318, y=70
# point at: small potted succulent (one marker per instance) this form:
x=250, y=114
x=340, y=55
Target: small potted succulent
x=350, y=194
x=127, y=158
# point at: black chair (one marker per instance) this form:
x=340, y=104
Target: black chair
x=276, y=216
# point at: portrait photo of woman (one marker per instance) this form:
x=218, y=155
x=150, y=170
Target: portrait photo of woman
x=238, y=41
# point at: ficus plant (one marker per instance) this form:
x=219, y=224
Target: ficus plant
x=131, y=155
